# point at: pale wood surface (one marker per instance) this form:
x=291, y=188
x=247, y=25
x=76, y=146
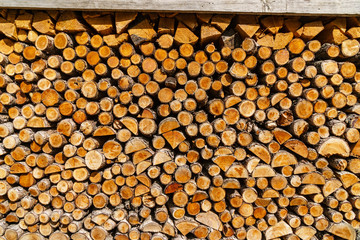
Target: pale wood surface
x=301, y=7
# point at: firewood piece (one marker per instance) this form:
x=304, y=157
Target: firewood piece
x=44, y=43
x=210, y=219
x=165, y=41
x=94, y=160
x=149, y=225
x=305, y=232
x=147, y=127
x=229, y=39
x=266, y=41
x=37, y=122
x=184, y=35
x=114, y=40
x=102, y=24
x=8, y=29
x=68, y=22
x=282, y=40
x=292, y=24
x=304, y=109
x=221, y=21
x=296, y=46
x=135, y=144
x=311, y=30
x=62, y=40
x=352, y=165
x=331, y=186
x=313, y=178
x=162, y=156
x=328, y=67
x=278, y=230
x=30, y=53
x=238, y=71
x=122, y=20
x=343, y=230
x=281, y=135
x=141, y=32
x=180, y=199
x=24, y=20
x=174, y=138
x=334, y=146
x=353, y=32
x=43, y=23
x=263, y=170
x=273, y=23
x=208, y=34
x=247, y=26
x=297, y=147
x=28, y=236
x=244, y=138
x=6, y=46
x=131, y=124
x=350, y=48
x=186, y=225
x=165, y=95
x=167, y=125
x=260, y=151
x=347, y=178
x=224, y=162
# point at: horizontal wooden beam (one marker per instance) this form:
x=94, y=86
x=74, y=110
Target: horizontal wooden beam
x=291, y=7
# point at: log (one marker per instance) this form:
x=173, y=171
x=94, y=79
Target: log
x=183, y=35
x=8, y=29
x=43, y=23
x=334, y=146
x=343, y=230
x=278, y=230
x=102, y=24
x=122, y=20
x=247, y=27
x=209, y=34
x=68, y=22
x=141, y=32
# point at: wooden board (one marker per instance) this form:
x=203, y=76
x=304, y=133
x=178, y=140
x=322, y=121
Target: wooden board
x=301, y=7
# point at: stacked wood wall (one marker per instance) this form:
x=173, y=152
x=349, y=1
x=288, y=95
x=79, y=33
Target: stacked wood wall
x=178, y=126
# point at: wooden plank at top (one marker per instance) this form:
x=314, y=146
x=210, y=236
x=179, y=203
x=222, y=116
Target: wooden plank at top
x=297, y=7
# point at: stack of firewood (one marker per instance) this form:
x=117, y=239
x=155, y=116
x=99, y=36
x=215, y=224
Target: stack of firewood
x=159, y=126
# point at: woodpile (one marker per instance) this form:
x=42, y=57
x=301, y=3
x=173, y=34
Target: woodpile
x=158, y=126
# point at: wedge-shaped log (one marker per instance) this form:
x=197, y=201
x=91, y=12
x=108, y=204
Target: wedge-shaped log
x=224, y=162
x=331, y=186
x=347, y=178
x=237, y=170
x=297, y=147
x=135, y=144
x=343, y=230
x=210, y=219
x=141, y=32
x=162, y=156
x=334, y=146
x=260, y=151
x=278, y=230
x=263, y=170
x=283, y=158
x=186, y=225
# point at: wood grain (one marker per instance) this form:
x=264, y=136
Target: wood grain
x=302, y=7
